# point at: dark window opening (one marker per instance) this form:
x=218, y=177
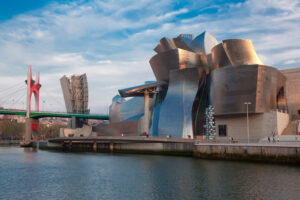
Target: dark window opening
x=298, y=112
x=281, y=102
x=222, y=130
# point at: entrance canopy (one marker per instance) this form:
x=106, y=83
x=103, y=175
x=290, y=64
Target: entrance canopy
x=139, y=91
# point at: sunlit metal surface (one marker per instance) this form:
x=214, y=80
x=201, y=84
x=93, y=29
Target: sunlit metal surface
x=219, y=57
x=231, y=86
x=164, y=62
x=159, y=98
x=166, y=44
x=241, y=52
x=138, y=90
x=187, y=38
x=175, y=118
x=234, y=52
x=194, y=73
x=123, y=109
x=203, y=43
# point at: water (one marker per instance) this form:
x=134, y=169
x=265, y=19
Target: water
x=28, y=174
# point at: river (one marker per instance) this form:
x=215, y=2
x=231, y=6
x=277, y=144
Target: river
x=30, y=174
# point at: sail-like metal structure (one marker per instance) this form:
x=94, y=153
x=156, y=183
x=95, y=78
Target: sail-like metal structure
x=75, y=91
x=175, y=118
x=234, y=52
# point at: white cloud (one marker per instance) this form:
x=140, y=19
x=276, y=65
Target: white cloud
x=112, y=41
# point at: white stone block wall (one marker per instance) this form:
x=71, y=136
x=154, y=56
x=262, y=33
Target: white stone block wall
x=283, y=120
x=260, y=125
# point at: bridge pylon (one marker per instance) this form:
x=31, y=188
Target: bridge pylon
x=33, y=87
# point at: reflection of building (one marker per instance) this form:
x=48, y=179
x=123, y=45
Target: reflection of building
x=195, y=73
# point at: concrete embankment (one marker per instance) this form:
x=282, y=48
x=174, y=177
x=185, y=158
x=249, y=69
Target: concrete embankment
x=258, y=152
x=9, y=142
x=143, y=145
x=279, y=153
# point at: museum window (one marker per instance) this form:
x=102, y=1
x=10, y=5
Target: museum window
x=298, y=112
x=222, y=130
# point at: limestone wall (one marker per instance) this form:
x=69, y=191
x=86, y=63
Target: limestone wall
x=283, y=120
x=260, y=125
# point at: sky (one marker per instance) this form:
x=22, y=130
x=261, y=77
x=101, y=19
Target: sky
x=112, y=41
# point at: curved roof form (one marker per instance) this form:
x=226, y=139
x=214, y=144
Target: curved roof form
x=241, y=52
x=166, y=44
x=203, y=43
x=164, y=62
x=187, y=38
x=234, y=52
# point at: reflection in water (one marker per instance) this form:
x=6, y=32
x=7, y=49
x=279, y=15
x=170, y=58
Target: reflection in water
x=30, y=150
x=30, y=155
x=30, y=174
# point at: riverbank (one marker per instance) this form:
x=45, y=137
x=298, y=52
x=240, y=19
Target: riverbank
x=9, y=142
x=137, y=145
x=256, y=152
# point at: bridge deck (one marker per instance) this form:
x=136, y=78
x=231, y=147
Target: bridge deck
x=49, y=114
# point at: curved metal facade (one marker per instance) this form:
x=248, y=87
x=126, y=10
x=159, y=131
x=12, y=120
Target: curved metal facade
x=164, y=62
x=231, y=86
x=122, y=109
x=219, y=57
x=197, y=73
x=203, y=43
x=175, y=118
x=234, y=52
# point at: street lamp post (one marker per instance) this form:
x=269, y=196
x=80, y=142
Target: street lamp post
x=247, y=104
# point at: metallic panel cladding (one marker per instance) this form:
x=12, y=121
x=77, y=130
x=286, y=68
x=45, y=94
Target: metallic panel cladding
x=234, y=52
x=159, y=98
x=164, y=62
x=175, y=118
x=203, y=43
x=231, y=86
x=125, y=109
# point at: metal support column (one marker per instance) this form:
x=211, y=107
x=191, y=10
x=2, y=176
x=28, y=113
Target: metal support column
x=146, y=112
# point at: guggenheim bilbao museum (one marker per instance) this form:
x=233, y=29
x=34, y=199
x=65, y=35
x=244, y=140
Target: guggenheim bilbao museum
x=205, y=88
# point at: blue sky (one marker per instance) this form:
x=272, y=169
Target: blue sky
x=112, y=41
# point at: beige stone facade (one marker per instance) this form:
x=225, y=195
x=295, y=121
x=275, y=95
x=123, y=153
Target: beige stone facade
x=260, y=125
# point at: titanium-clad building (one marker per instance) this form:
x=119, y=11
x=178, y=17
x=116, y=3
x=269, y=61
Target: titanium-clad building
x=196, y=73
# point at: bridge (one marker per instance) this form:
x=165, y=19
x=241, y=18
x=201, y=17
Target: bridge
x=31, y=122
x=37, y=115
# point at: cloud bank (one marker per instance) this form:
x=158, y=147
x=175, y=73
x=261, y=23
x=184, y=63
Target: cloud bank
x=112, y=41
